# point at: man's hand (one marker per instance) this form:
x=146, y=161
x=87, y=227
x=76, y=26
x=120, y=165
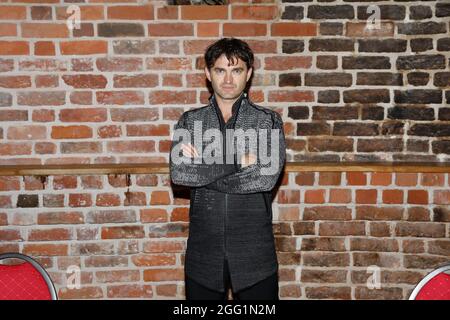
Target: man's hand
x=189, y=150
x=248, y=159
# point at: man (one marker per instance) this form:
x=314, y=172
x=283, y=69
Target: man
x=231, y=242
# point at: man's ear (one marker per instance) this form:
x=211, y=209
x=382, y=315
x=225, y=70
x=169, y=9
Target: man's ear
x=208, y=75
x=249, y=73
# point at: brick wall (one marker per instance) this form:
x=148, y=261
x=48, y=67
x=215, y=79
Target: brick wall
x=111, y=91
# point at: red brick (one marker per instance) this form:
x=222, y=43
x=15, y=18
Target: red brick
x=44, y=30
x=163, y=63
x=356, y=178
x=14, y=149
x=120, y=97
x=244, y=29
x=107, y=200
x=287, y=63
x=60, y=218
x=417, y=196
x=154, y=215
x=254, y=12
x=379, y=294
x=130, y=291
x=82, y=293
x=170, y=29
x=290, y=291
x=55, y=234
x=64, y=182
x=31, y=132
x=366, y=196
x=13, y=12
x=14, y=48
x=135, y=81
x=8, y=30
x=359, y=29
x=10, y=235
x=172, y=97
x=168, y=12
x=81, y=97
x=123, y=232
x=323, y=276
x=83, y=115
x=381, y=178
x=291, y=96
x=432, y=179
x=164, y=275
x=81, y=81
x=342, y=228
x=393, y=196
x=109, y=131
x=315, y=196
x=90, y=12
x=71, y=132
x=326, y=259
x=378, y=213
x=41, y=98
x=117, y=276
x=46, y=81
x=288, y=196
x=441, y=197
x=119, y=64
x=207, y=29
x=80, y=200
x=340, y=196
x=180, y=214
x=420, y=229
x=368, y=244
x=204, y=12
x=172, y=80
x=293, y=29
x=83, y=47
x=45, y=249
x=151, y=260
x=406, y=179
x=134, y=146
x=164, y=246
x=288, y=213
x=43, y=115
x=327, y=213
x=143, y=12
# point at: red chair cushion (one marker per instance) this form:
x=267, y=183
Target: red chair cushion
x=438, y=288
x=22, y=282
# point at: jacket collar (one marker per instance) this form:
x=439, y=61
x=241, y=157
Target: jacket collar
x=234, y=108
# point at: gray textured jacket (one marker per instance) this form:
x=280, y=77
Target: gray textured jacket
x=231, y=206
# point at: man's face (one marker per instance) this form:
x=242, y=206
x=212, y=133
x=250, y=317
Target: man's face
x=227, y=81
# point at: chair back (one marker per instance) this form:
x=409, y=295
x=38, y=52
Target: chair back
x=434, y=286
x=24, y=281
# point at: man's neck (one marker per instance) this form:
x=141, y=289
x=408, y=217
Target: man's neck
x=226, y=105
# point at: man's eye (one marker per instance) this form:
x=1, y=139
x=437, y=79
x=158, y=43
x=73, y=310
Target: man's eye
x=219, y=71
x=237, y=71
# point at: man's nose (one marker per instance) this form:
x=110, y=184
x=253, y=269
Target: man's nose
x=228, y=78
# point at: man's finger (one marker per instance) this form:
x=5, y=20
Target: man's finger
x=194, y=150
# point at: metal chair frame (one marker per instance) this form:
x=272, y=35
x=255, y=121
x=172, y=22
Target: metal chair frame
x=37, y=266
x=427, y=278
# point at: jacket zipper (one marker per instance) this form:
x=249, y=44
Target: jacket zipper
x=225, y=226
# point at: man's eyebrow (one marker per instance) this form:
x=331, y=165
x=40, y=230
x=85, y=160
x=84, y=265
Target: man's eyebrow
x=237, y=68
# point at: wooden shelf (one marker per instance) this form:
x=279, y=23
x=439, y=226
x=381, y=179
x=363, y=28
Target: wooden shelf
x=155, y=168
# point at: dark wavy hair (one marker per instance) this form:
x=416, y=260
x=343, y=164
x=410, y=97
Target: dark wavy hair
x=231, y=48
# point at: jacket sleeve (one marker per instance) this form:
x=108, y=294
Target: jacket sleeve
x=185, y=171
x=253, y=178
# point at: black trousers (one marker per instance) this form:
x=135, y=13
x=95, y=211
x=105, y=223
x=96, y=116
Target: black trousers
x=266, y=289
